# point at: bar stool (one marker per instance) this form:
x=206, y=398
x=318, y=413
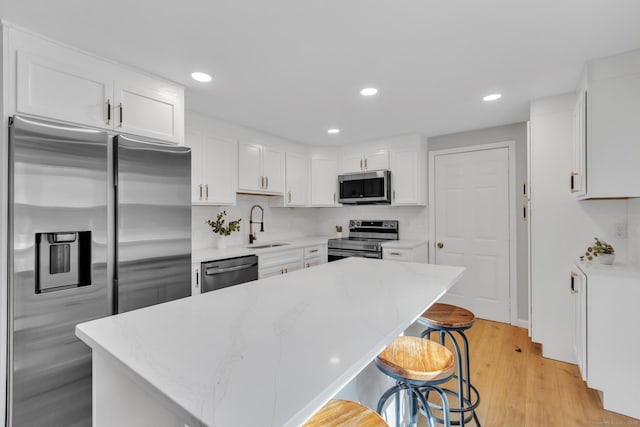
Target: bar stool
x=446, y=319
x=344, y=413
x=418, y=366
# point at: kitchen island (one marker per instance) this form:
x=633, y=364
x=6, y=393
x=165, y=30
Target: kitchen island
x=265, y=353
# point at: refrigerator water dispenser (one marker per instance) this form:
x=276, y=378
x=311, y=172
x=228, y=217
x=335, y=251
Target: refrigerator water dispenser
x=63, y=260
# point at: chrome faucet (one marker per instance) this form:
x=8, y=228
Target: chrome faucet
x=252, y=234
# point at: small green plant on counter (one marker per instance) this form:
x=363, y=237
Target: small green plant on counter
x=218, y=226
x=338, y=228
x=599, y=248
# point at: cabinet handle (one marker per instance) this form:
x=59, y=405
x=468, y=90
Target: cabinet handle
x=282, y=271
x=573, y=188
x=121, y=114
x=334, y=197
x=524, y=211
x=206, y=187
x=308, y=265
x=266, y=179
x=394, y=195
x=573, y=284
x=365, y=164
x=109, y=111
x=524, y=190
x=262, y=182
x=197, y=278
x=440, y=245
x=286, y=270
x=395, y=253
x=313, y=251
x=289, y=196
x=361, y=168
x=200, y=191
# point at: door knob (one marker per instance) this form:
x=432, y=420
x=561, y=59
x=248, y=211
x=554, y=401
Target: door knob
x=440, y=245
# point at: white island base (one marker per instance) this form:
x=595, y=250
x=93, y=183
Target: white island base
x=266, y=353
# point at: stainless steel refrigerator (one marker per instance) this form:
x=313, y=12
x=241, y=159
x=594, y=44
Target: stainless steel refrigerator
x=98, y=225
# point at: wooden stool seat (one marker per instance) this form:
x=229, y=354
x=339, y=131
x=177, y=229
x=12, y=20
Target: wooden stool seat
x=344, y=413
x=417, y=359
x=449, y=316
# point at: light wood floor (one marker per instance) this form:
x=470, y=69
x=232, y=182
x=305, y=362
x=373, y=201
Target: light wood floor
x=525, y=389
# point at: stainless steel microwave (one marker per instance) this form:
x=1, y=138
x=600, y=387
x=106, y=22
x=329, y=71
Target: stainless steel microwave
x=365, y=188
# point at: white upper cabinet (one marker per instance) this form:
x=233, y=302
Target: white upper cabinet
x=607, y=129
x=260, y=169
x=148, y=107
x=61, y=83
x=408, y=177
x=213, y=169
x=297, y=180
x=365, y=160
x=65, y=88
x=324, y=181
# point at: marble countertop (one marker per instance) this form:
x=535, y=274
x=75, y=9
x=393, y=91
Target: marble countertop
x=273, y=351
x=214, y=254
x=404, y=244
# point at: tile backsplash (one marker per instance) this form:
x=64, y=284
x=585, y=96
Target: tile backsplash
x=284, y=223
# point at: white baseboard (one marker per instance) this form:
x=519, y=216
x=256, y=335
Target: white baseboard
x=521, y=323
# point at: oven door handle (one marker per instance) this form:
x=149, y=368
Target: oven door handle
x=217, y=270
x=337, y=252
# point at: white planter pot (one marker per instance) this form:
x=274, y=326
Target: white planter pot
x=606, y=259
x=222, y=242
x=339, y=234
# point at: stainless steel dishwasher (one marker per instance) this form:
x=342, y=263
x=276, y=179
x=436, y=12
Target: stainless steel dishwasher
x=228, y=272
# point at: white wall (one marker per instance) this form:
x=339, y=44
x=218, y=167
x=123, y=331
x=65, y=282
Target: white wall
x=516, y=132
x=633, y=231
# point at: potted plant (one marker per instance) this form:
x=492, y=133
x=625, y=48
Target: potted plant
x=601, y=250
x=338, y=231
x=223, y=230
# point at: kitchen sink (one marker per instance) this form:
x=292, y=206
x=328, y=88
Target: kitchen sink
x=272, y=245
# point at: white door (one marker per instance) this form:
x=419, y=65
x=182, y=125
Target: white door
x=297, y=180
x=324, y=181
x=471, y=204
x=250, y=167
x=273, y=161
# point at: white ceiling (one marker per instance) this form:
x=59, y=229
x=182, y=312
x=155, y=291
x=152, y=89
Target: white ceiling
x=294, y=68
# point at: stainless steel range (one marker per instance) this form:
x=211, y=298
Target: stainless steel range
x=365, y=239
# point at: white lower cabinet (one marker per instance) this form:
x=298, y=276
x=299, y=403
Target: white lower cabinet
x=579, y=310
x=315, y=255
x=605, y=317
x=280, y=262
x=412, y=252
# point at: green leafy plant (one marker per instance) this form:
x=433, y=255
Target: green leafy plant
x=599, y=248
x=218, y=226
x=338, y=228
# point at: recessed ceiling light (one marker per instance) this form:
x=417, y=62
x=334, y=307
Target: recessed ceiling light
x=368, y=91
x=333, y=131
x=492, y=97
x=201, y=77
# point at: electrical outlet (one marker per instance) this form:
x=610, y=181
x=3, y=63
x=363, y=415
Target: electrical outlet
x=621, y=230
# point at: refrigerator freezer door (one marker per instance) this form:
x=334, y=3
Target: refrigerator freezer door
x=153, y=223
x=58, y=192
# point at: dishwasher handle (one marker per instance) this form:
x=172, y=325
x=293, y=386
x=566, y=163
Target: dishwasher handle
x=217, y=270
